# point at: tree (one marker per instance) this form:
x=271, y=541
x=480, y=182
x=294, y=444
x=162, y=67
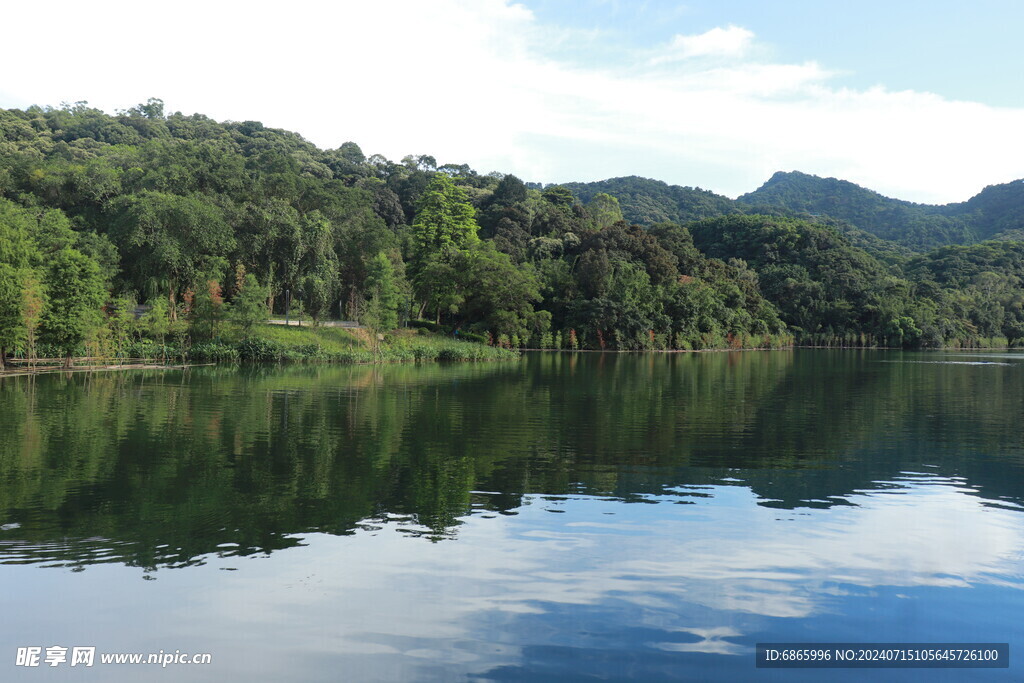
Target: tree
x=319, y=281
x=604, y=210
x=33, y=302
x=157, y=322
x=382, y=294
x=444, y=219
x=208, y=309
x=444, y=226
x=510, y=190
x=351, y=152
x=249, y=307
x=17, y=227
x=12, y=324
x=121, y=320
x=481, y=287
x=17, y=253
x=168, y=237
x=76, y=295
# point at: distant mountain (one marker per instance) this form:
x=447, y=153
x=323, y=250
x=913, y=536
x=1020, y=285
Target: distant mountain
x=996, y=209
x=646, y=202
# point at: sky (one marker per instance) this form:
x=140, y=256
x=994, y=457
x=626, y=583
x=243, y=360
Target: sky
x=919, y=100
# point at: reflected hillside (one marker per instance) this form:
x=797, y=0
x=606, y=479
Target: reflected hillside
x=163, y=469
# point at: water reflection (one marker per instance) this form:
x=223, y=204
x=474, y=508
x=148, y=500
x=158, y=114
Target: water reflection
x=646, y=517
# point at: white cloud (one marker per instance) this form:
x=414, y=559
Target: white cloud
x=740, y=561
x=475, y=82
x=731, y=41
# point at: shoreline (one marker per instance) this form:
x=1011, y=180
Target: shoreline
x=18, y=369
x=51, y=369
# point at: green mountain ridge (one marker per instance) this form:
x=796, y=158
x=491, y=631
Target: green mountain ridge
x=997, y=212
x=645, y=201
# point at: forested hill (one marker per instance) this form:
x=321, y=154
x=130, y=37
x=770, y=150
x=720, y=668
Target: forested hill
x=994, y=212
x=196, y=217
x=646, y=202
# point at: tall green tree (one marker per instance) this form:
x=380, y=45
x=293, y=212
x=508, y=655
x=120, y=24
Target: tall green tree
x=17, y=252
x=75, y=298
x=444, y=218
x=604, y=210
x=382, y=294
x=156, y=322
x=249, y=307
x=12, y=324
x=444, y=226
x=319, y=281
x=33, y=303
x=121, y=321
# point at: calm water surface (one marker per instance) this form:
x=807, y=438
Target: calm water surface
x=569, y=517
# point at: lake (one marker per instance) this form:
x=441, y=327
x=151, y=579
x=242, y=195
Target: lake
x=567, y=517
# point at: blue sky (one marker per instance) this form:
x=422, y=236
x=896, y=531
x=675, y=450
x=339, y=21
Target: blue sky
x=918, y=100
x=955, y=49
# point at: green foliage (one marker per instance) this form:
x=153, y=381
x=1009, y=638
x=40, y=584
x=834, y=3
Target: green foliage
x=17, y=249
x=647, y=202
x=156, y=323
x=168, y=237
x=75, y=296
x=381, y=311
x=122, y=324
x=12, y=323
x=818, y=280
x=214, y=352
x=320, y=282
x=208, y=310
x=604, y=211
x=249, y=306
x=154, y=200
x=33, y=303
x=918, y=226
x=444, y=219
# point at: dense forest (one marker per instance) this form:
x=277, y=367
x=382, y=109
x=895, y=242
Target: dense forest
x=215, y=226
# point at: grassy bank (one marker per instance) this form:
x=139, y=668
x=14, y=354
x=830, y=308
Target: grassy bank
x=280, y=344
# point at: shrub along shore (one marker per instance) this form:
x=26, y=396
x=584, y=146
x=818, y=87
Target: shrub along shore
x=274, y=344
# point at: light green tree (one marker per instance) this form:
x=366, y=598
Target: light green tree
x=33, y=302
x=250, y=305
x=604, y=210
x=17, y=252
x=12, y=323
x=76, y=295
x=121, y=321
x=443, y=228
x=382, y=294
x=444, y=217
x=156, y=322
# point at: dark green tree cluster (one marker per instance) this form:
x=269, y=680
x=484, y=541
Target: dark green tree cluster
x=834, y=293
x=607, y=284
x=38, y=247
